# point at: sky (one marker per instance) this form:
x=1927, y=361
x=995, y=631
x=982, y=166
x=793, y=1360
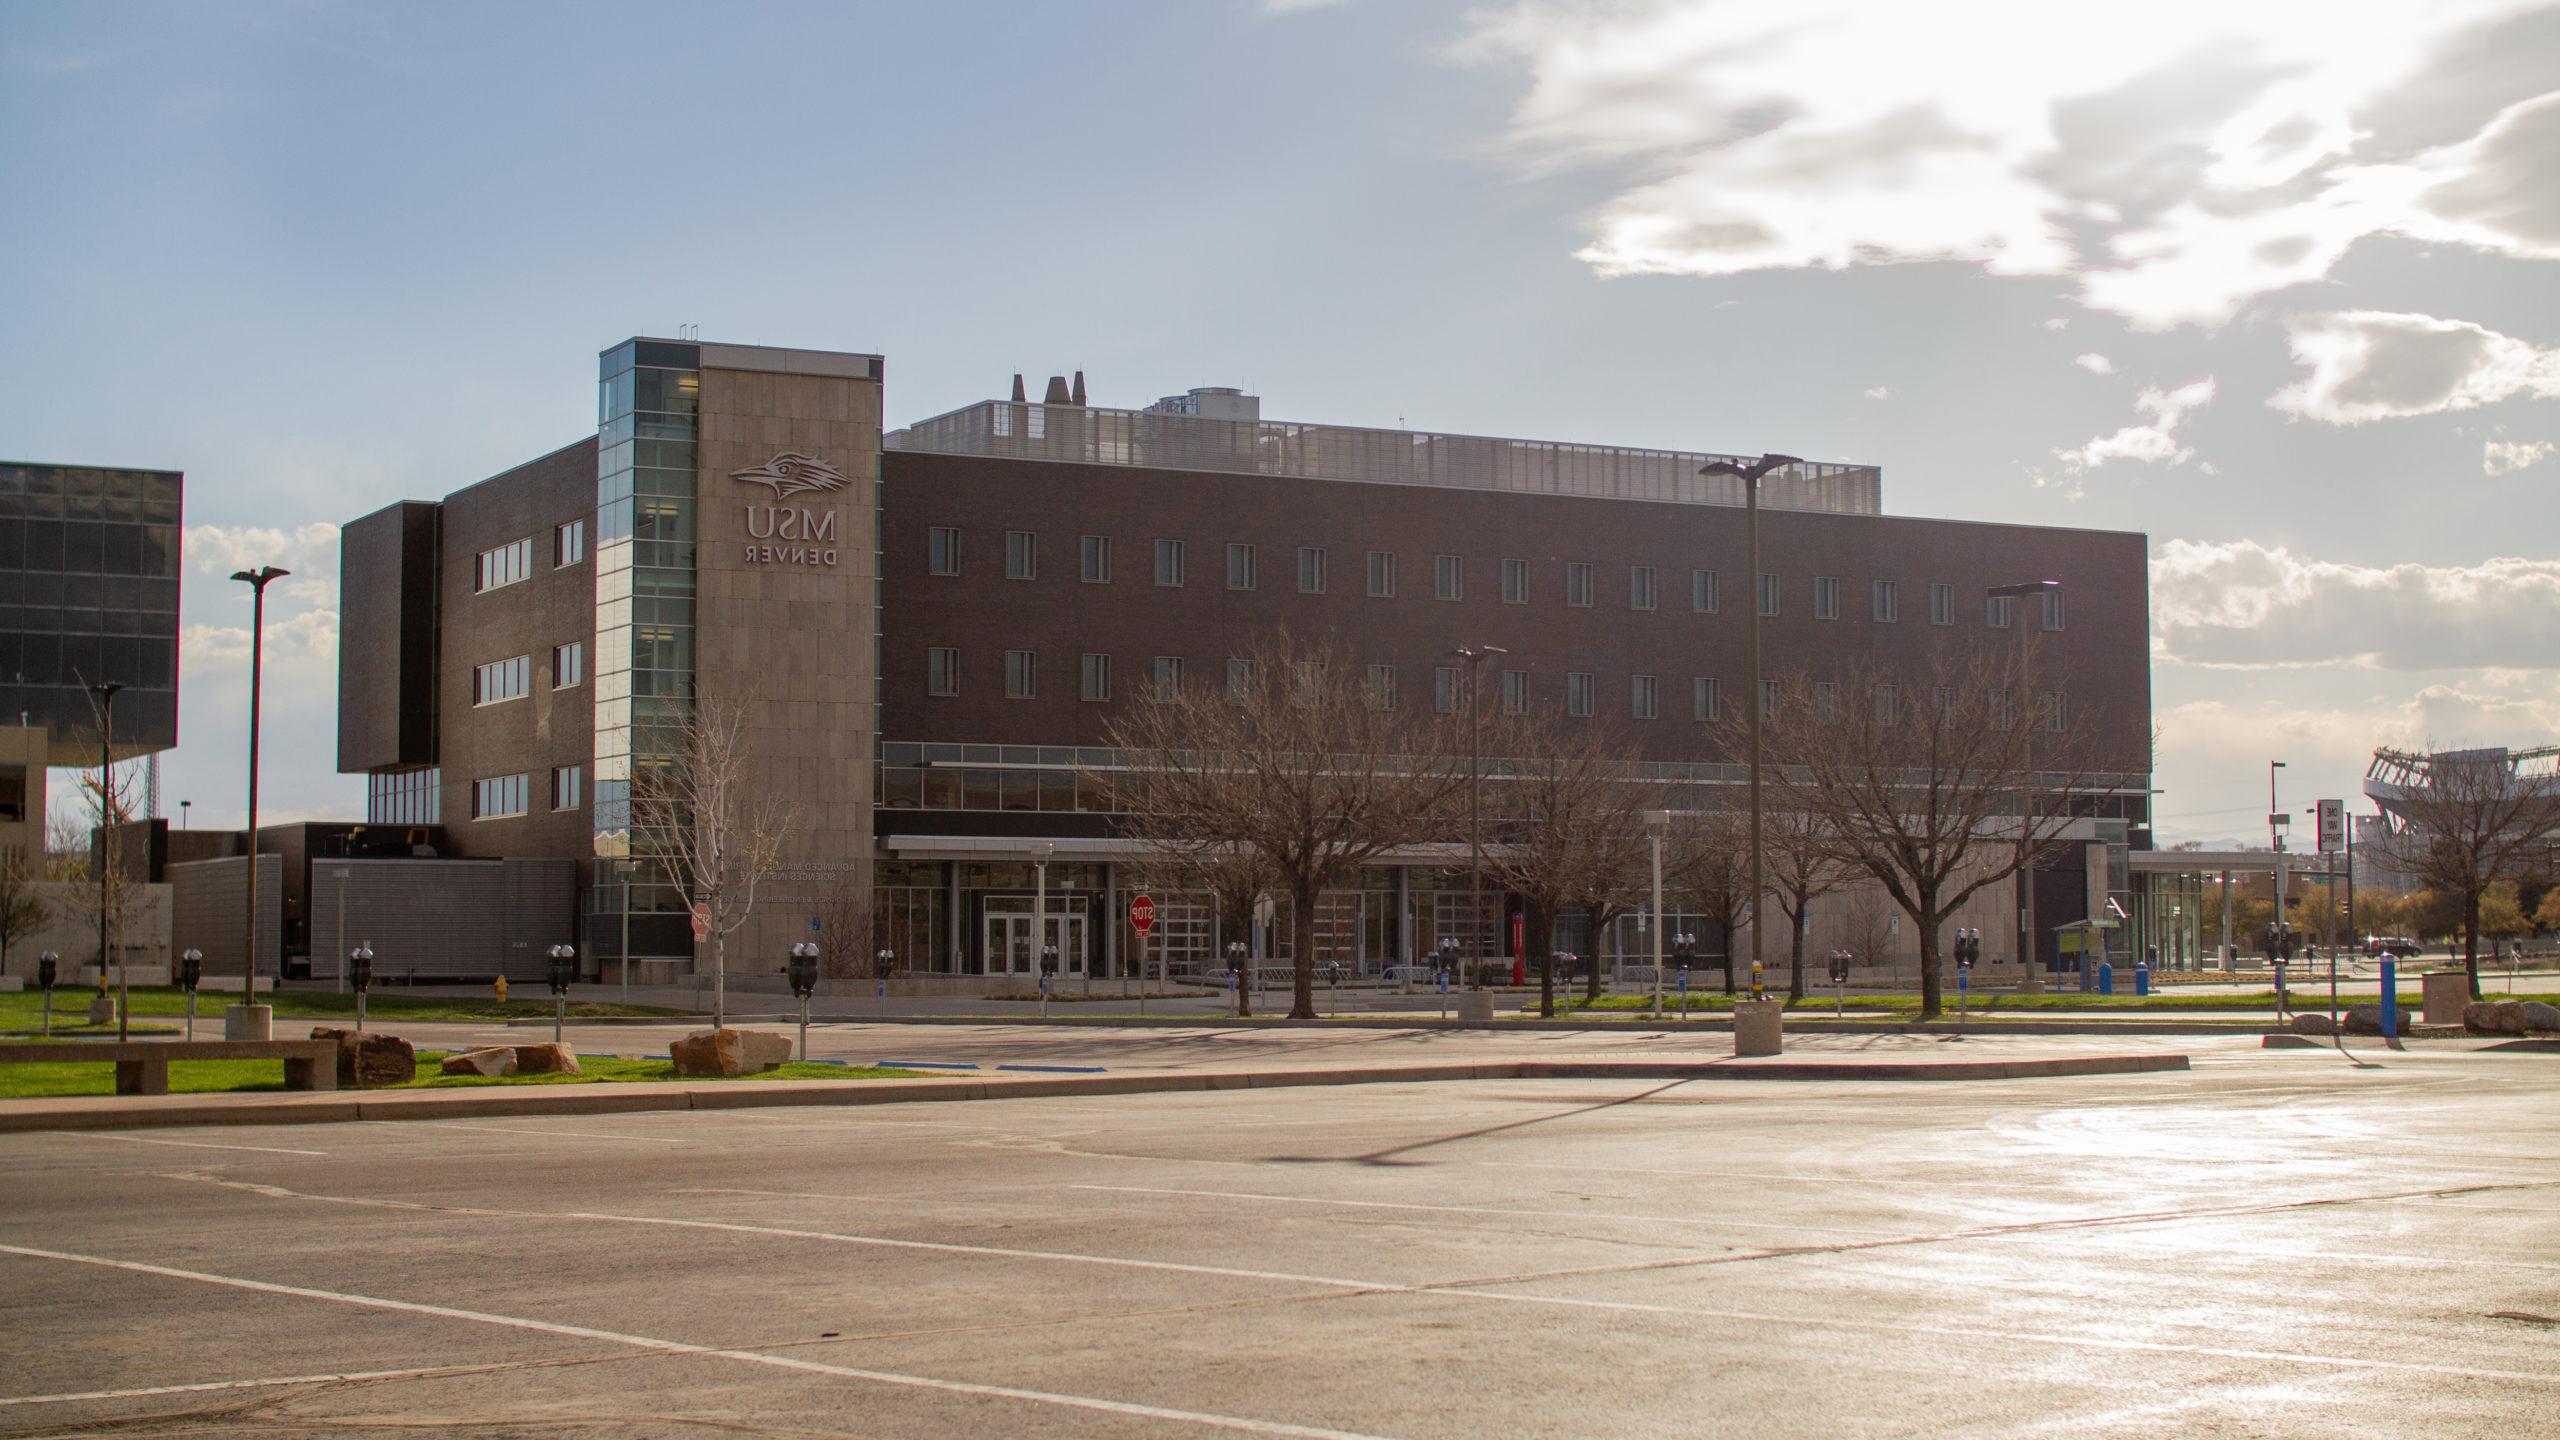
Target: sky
x=2270, y=283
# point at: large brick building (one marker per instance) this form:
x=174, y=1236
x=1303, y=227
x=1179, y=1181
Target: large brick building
x=933, y=625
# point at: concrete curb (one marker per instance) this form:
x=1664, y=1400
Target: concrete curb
x=295, y=1109
x=1803, y=1024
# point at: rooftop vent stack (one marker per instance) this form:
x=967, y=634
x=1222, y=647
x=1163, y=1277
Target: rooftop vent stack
x=1057, y=392
x=1078, y=394
x=1018, y=396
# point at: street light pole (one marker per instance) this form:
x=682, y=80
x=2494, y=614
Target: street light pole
x=2275, y=843
x=105, y=691
x=1751, y=476
x=1655, y=823
x=2031, y=980
x=1475, y=656
x=246, y=1020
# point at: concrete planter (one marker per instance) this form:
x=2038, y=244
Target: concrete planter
x=1758, y=1027
x=1475, y=1007
x=2446, y=992
x=249, y=1022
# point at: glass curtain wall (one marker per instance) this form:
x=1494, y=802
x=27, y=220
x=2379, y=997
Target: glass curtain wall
x=648, y=397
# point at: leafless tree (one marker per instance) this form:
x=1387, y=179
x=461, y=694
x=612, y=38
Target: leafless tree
x=23, y=908
x=1934, y=796
x=1296, y=761
x=718, y=831
x=1707, y=862
x=1802, y=866
x=1867, y=925
x=1572, y=831
x=1236, y=879
x=87, y=848
x=845, y=947
x=2469, y=819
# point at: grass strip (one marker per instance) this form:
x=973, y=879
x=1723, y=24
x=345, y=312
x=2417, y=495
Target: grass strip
x=209, y=1077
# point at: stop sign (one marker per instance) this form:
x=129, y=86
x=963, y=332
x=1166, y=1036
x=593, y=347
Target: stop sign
x=1142, y=914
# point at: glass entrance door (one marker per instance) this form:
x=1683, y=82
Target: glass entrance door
x=1009, y=948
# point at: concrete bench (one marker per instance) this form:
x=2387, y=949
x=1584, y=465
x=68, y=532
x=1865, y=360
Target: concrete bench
x=142, y=1066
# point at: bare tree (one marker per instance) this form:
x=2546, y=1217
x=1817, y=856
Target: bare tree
x=1867, y=924
x=845, y=948
x=1934, y=796
x=1297, y=761
x=1803, y=865
x=2464, y=820
x=718, y=832
x=23, y=908
x=1707, y=861
x=87, y=848
x=1236, y=879
x=1572, y=831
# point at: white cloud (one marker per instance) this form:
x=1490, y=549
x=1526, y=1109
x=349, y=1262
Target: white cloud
x=2178, y=159
x=1879, y=392
x=2153, y=443
x=2246, y=605
x=2095, y=363
x=2375, y=365
x=2058, y=322
x=2503, y=457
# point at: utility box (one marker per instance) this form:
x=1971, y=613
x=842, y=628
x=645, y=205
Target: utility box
x=2446, y=993
x=1759, y=1027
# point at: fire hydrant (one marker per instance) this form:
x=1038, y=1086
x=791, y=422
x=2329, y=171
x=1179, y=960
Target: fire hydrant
x=501, y=988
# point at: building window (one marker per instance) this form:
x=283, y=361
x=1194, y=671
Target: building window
x=1579, y=692
x=2056, y=717
x=1306, y=682
x=1768, y=701
x=1242, y=565
x=1382, y=573
x=1888, y=705
x=1640, y=588
x=1826, y=700
x=1095, y=560
x=1704, y=702
x=2000, y=718
x=1444, y=689
x=942, y=552
x=1239, y=679
x=568, y=664
x=1021, y=554
x=1096, y=682
x=942, y=671
x=568, y=543
x=1703, y=596
x=1167, y=677
x=1515, y=582
x=498, y=797
x=504, y=565
x=1448, y=577
x=2053, y=609
x=1382, y=686
x=1577, y=584
x=1021, y=674
x=501, y=680
x=1169, y=562
x=405, y=797
x=1768, y=594
x=1515, y=692
x=1888, y=602
x=1996, y=612
x=565, y=783
x=1310, y=570
x=1826, y=597
x=1942, y=603
x=1647, y=700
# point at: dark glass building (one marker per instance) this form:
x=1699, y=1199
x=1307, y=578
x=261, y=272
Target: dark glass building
x=89, y=594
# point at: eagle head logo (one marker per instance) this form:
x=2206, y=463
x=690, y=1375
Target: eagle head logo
x=791, y=473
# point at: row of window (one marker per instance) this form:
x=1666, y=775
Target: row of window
x=502, y=796
x=1448, y=579
x=512, y=678
x=506, y=564
x=1165, y=675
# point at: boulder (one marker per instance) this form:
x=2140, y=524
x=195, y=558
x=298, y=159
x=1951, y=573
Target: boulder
x=497, y=1060
x=2536, y=1016
x=371, y=1060
x=545, y=1060
x=2367, y=1020
x=2314, y=1025
x=728, y=1052
x=2494, y=1017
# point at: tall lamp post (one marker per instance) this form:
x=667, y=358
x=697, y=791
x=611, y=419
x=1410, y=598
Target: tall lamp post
x=2032, y=981
x=2276, y=819
x=1751, y=476
x=1475, y=656
x=105, y=691
x=250, y=1020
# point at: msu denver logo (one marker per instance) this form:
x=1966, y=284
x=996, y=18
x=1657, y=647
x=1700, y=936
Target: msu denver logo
x=791, y=473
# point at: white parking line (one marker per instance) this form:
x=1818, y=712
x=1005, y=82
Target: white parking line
x=190, y=1144
x=678, y=1347
x=520, y=1130
x=1711, y=1220
x=147, y=1391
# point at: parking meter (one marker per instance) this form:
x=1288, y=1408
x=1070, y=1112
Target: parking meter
x=48, y=967
x=360, y=976
x=190, y=974
x=803, y=971
x=559, y=969
x=881, y=965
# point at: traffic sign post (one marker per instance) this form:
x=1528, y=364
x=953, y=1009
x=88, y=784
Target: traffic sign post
x=1142, y=918
x=701, y=921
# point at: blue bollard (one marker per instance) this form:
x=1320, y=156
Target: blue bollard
x=2106, y=977
x=2390, y=1002
x=2141, y=979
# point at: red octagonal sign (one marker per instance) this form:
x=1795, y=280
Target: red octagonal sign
x=1142, y=914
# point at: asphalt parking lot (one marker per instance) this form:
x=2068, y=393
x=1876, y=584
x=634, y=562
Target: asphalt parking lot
x=2274, y=1243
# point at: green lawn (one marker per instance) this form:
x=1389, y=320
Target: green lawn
x=24, y=1009
x=200, y=1077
